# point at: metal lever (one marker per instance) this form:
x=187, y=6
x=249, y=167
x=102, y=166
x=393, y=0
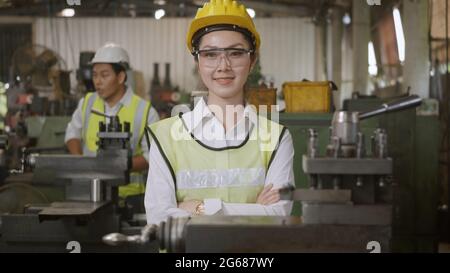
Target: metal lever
x=114, y=122
x=100, y=113
x=116, y=239
x=397, y=105
x=148, y=234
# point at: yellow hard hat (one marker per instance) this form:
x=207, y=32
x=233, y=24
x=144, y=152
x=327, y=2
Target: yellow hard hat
x=222, y=13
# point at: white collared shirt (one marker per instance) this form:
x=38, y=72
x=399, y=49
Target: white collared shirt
x=160, y=196
x=75, y=126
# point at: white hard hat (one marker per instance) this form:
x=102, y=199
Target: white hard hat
x=112, y=53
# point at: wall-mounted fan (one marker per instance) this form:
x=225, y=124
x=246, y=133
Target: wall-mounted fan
x=40, y=72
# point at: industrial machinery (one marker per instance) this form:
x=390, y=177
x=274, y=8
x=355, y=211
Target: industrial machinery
x=247, y=234
x=39, y=88
x=163, y=96
x=41, y=82
x=84, y=73
x=348, y=207
x=91, y=208
x=3, y=166
x=348, y=185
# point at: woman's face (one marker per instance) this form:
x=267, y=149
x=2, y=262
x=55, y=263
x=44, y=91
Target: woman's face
x=224, y=73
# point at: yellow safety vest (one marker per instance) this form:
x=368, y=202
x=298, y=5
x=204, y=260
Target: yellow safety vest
x=136, y=113
x=232, y=174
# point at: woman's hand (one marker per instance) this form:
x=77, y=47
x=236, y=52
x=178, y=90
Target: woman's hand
x=268, y=196
x=192, y=206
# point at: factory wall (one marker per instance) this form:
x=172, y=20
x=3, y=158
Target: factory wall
x=287, y=51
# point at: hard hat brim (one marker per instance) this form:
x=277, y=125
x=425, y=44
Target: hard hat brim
x=203, y=22
x=125, y=66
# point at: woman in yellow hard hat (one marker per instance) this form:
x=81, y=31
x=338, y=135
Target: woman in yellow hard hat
x=221, y=157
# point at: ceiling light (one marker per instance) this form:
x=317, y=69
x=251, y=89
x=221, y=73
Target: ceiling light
x=373, y=69
x=346, y=19
x=159, y=14
x=399, y=34
x=159, y=2
x=68, y=12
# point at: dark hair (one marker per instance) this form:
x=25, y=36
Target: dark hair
x=119, y=68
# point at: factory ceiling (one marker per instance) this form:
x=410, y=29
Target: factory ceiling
x=173, y=8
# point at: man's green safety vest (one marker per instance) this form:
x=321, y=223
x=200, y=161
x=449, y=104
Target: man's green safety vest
x=232, y=174
x=136, y=113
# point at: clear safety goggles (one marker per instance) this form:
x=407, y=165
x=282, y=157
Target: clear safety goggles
x=235, y=57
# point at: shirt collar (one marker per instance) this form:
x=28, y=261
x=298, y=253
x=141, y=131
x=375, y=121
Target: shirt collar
x=126, y=98
x=201, y=113
x=198, y=115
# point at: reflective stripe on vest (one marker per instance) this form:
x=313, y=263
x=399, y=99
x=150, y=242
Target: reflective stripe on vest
x=136, y=114
x=233, y=174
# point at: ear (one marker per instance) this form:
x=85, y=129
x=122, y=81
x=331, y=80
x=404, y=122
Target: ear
x=121, y=77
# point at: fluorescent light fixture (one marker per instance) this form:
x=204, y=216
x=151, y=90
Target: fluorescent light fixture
x=346, y=20
x=159, y=14
x=373, y=69
x=68, y=12
x=400, y=35
x=251, y=12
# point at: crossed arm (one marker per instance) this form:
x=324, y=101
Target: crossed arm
x=160, y=196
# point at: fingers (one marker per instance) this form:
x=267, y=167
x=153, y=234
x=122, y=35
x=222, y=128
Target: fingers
x=273, y=199
x=269, y=197
x=189, y=206
x=201, y=210
x=262, y=195
x=266, y=189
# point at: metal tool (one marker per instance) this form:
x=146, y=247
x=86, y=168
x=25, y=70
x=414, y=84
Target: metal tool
x=347, y=170
x=345, y=125
x=91, y=183
x=250, y=234
x=344, y=210
x=148, y=233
